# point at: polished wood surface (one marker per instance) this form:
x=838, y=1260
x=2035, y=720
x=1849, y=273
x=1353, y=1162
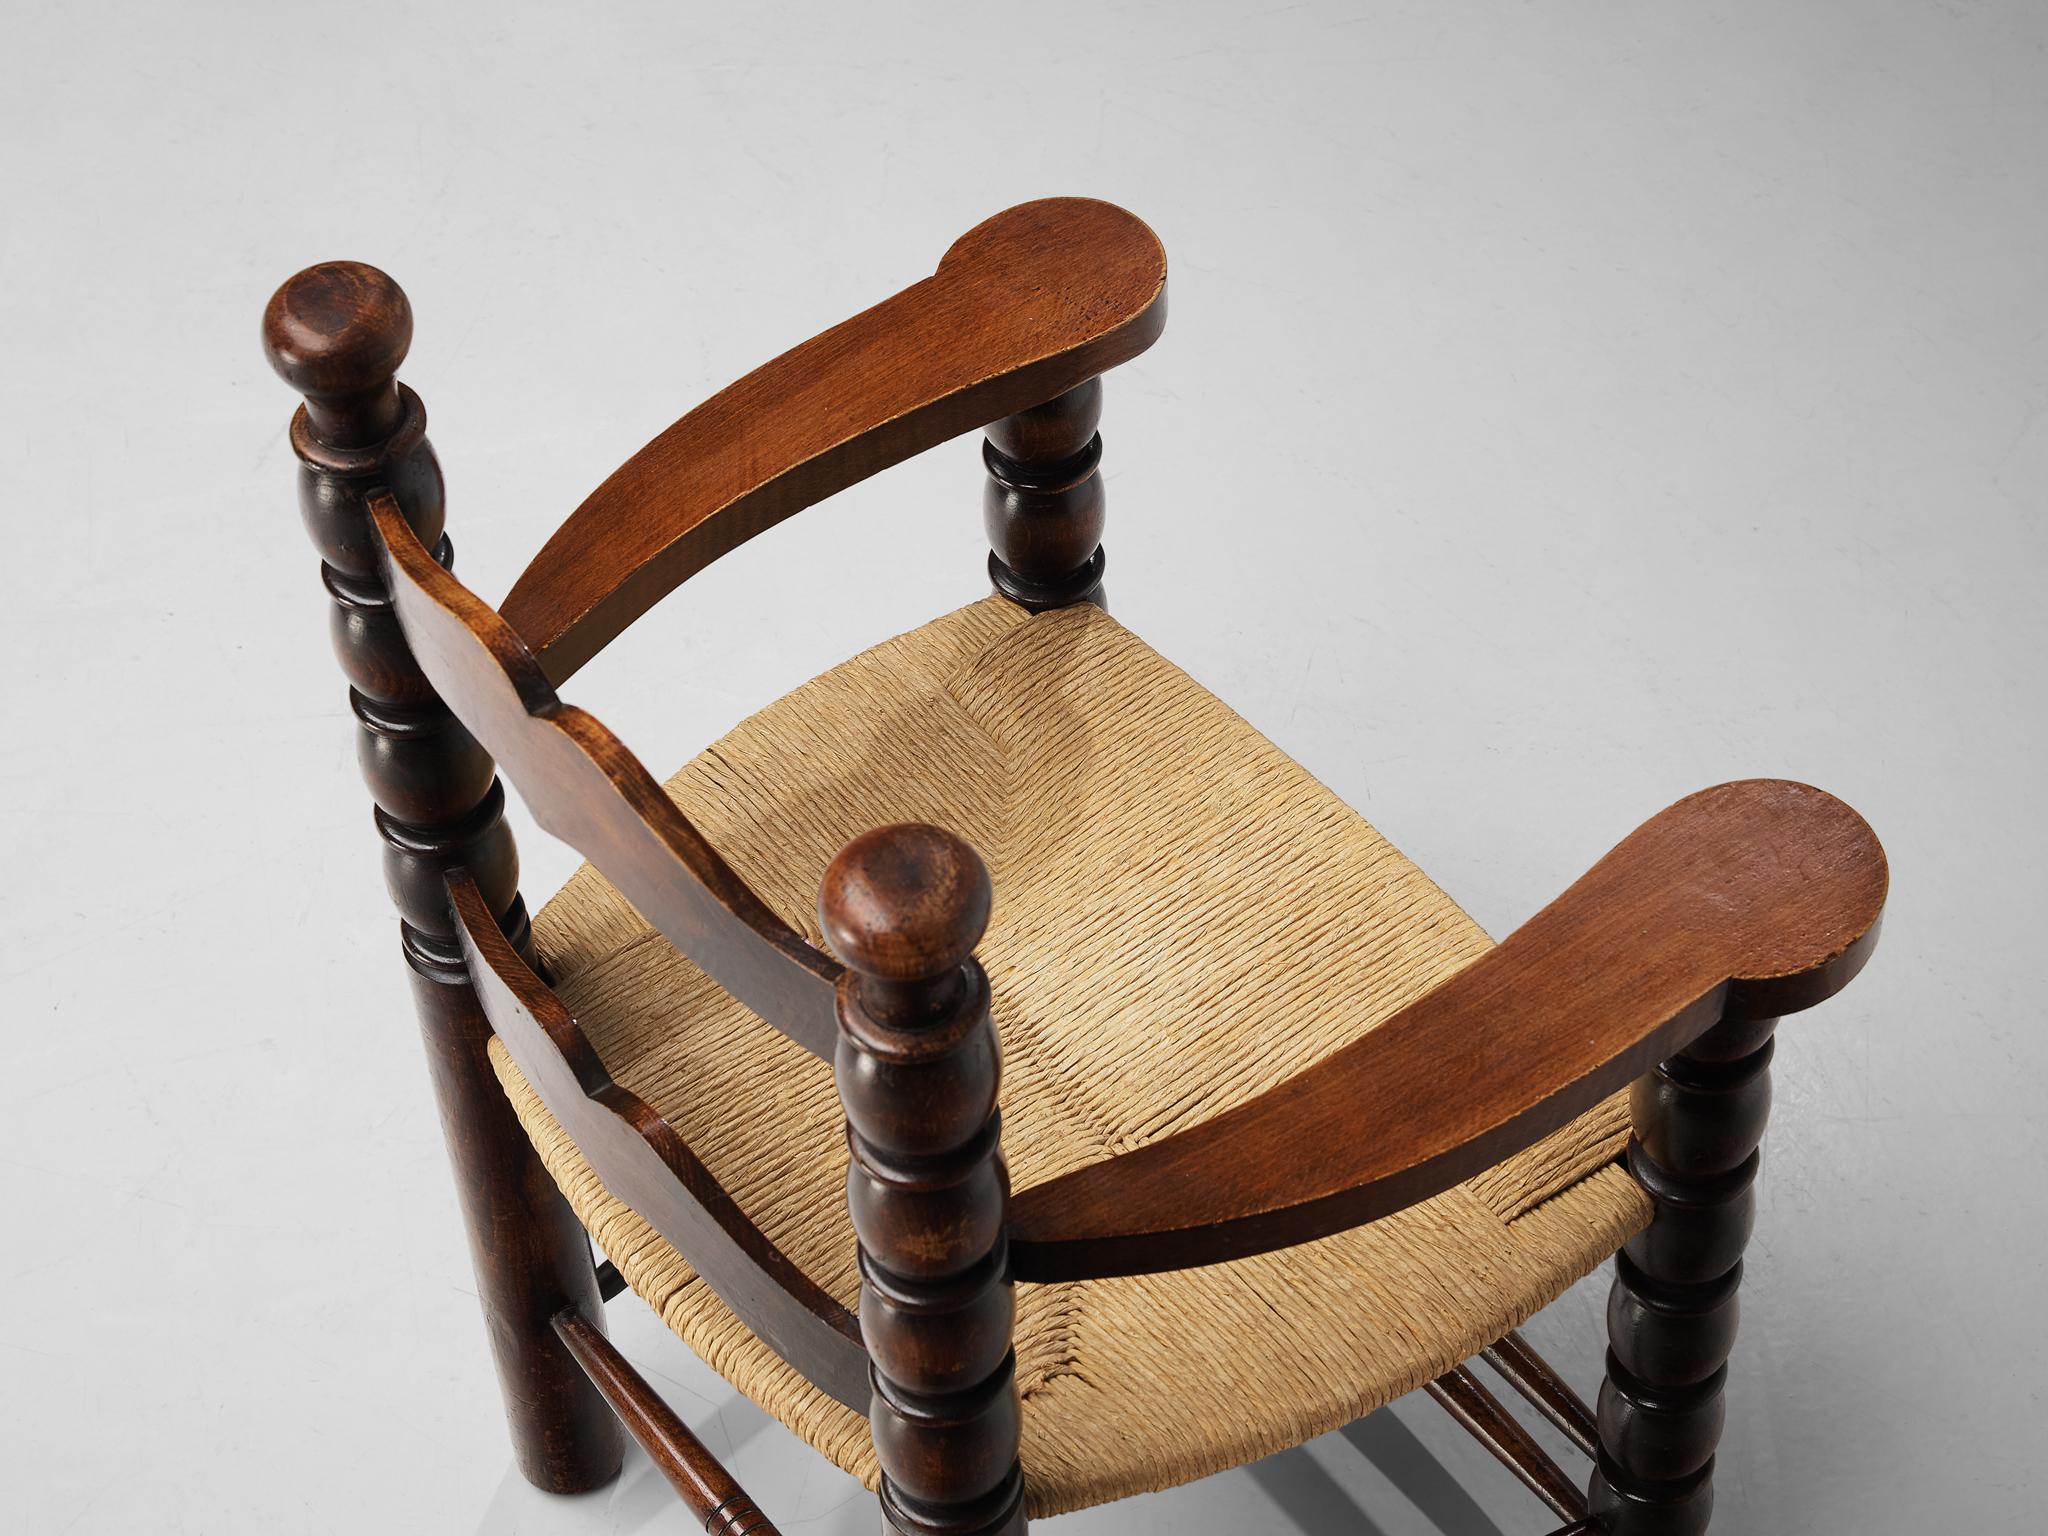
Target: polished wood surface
x=707, y=1490
x=337, y=333
x=1751, y=899
x=646, y=1163
x=1461, y=1395
x=1665, y=966
x=1044, y=505
x=1671, y=1315
x=530, y=1253
x=1024, y=307
x=917, y=1070
x=582, y=785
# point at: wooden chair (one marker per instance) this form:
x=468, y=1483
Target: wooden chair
x=1290, y=1135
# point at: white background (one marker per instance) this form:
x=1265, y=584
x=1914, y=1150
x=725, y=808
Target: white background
x=1563, y=407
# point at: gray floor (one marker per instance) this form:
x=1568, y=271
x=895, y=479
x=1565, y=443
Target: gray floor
x=1564, y=407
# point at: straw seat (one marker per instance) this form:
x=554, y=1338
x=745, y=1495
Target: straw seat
x=1183, y=919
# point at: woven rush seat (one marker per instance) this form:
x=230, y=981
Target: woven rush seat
x=1183, y=919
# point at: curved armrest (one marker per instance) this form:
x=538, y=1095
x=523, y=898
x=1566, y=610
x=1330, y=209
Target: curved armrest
x=1749, y=900
x=1024, y=307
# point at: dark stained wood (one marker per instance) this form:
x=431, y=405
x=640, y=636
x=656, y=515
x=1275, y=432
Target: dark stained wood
x=1671, y=1315
x=582, y=785
x=337, y=333
x=1459, y=1393
x=708, y=1491
x=917, y=1069
x=1530, y=1374
x=1044, y=505
x=1024, y=306
x=609, y=1281
x=1667, y=964
x=1748, y=900
x=646, y=1163
x=531, y=1256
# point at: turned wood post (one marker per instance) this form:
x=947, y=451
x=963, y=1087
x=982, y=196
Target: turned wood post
x=337, y=334
x=917, y=1067
x=1044, y=504
x=1671, y=1314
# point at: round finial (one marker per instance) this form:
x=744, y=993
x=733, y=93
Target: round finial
x=337, y=333
x=905, y=902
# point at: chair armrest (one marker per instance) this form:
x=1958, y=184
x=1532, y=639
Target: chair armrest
x=1024, y=307
x=1746, y=901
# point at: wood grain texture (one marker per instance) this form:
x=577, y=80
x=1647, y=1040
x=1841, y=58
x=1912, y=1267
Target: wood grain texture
x=1676, y=952
x=337, y=333
x=646, y=1163
x=1748, y=900
x=707, y=1490
x=583, y=786
x=917, y=1070
x=1024, y=307
x=530, y=1253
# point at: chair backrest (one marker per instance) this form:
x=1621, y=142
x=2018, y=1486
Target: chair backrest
x=1012, y=331
x=1028, y=307
x=586, y=788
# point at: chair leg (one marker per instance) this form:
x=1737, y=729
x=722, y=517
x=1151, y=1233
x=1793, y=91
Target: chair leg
x=1044, y=504
x=1671, y=1315
x=917, y=1068
x=531, y=1256
x=337, y=333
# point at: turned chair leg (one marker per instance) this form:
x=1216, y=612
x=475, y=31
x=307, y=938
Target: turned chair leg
x=917, y=1067
x=1044, y=505
x=337, y=334
x=1671, y=1315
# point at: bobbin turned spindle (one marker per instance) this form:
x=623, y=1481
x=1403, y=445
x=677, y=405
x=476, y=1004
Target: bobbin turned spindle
x=1044, y=504
x=337, y=333
x=1671, y=1315
x=917, y=1067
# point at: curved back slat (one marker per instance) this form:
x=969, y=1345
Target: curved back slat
x=643, y=1161
x=583, y=786
x=1025, y=306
